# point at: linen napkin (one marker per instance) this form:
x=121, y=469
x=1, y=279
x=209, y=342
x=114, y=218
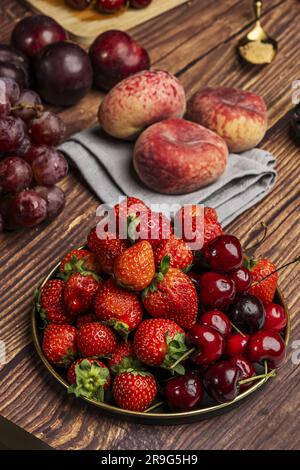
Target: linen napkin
x=106, y=165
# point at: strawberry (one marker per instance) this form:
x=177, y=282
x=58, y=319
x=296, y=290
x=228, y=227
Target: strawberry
x=204, y=224
x=94, y=339
x=88, y=378
x=134, y=268
x=123, y=359
x=129, y=206
x=260, y=268
x=78, y=261
x=151, y=226
x=79, y=292
x=172, y=295
x=106, y=249
x=118, y=308
x=59, y=344
x=134, y=390
x=159, y=342
x=86, y=318
x=180, y=254
x=49, y=303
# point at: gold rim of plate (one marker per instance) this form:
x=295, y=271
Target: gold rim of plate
x=163, y=416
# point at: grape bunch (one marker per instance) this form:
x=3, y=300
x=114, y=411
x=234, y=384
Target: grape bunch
x=30, y=165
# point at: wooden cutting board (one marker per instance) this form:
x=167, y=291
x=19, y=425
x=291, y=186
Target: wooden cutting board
x=87, y=24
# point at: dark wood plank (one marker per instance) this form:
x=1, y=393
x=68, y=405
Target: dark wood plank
x=201, y=55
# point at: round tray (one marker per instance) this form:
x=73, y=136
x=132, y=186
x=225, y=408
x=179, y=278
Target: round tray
x=159, y=415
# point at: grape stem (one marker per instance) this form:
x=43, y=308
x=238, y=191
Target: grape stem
x=39, y=108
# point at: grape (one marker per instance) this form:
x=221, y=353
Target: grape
x=33, y=33
x=49, y=167
x=15, y=174
x=12, y=89
x=4, y=101
x=11, y=134
x=16, y=72
x=35, y=151
x=78, y=4
x=29, y=208
x=9, y=54
x=33, y=102
x=48, y=129
x=55, y=198
x=24, y=147
x=110, y=5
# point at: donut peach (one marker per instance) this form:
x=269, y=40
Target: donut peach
x=178, y=156
x=240, y=117
x=139, y=101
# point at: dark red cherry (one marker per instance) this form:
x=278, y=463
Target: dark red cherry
x=110, y=5
x=246, y=368
x=267, y=345
x=222, y=381
x=209, y=344
x=217, y=291
x=276, y=317
x=217, y=320
x=247, y=312
x=183, y=393
x=224, y=253
x=242, y=278
x=196, y=279
x=236, y=344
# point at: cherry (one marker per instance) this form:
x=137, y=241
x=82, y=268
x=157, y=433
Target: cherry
x=276, y=317
x=267, y=345
x=242, y=279
x=110, y=5
x=217, y=291
x=224, y=253
x=139, y=3
x=183, y=393
x=247, y=312
x=208, y=342
x=236, y=344
x=217, y=320
x=222, y=381
x=196, y=279
x=246, y=368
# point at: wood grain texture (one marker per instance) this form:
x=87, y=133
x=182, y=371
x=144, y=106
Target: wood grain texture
x=200, y=54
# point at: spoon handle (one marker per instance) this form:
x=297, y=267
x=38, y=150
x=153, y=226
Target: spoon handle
x=257, y=4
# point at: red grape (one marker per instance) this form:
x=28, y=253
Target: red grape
x=110, y=5
x=55, y=198
x=11, y=134
x=23, y=149
x=49, y=167
x=139, y=3
x=4, y=101
x=27, y=106
x=29, y=208
x=33, y=33
x=12, y=89
x=16, y=72
x=48, y=129
x=15, y=174
x=9, y=54
x=78, y=4
x=35, y=151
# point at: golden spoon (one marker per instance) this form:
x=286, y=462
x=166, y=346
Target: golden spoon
x=257, y=47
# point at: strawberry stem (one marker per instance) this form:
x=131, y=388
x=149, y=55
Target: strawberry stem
x=296, y=260
x=183, y=357
x=272, y=373
x=153, y=407
x=237, y=330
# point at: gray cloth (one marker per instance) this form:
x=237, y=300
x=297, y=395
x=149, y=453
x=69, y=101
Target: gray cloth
x=106, y=165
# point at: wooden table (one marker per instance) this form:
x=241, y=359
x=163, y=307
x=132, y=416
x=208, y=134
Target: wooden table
x=196, y=42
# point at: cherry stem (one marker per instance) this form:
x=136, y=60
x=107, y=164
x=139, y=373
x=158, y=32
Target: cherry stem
x=259, y=242
x=237, y=330
x=296, y=260
x=183, y=357
x=272, y=373
x=153, y=407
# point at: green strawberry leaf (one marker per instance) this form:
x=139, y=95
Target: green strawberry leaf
x=120, y=327
x=132, y=223
x=176, y=349
x=90, y=380
x=159, y=276
x=164, y=265
x=250, y=263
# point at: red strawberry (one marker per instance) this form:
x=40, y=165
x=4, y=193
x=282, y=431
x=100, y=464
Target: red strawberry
x=134, y=390
x=50, y=303
x=172, y=295
x=106, y=249
x=181, y=256
x=79, y=261
x=59, y=344
x=204, y=224
x=159, y=342
x=260, y=268
x=120, y=309
x=151, y=226
x=86, y=318
x=134, y=268
x=88, y=378
x=79, y=293
x=129, y=206
x=123, y=359
x=94, y=339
